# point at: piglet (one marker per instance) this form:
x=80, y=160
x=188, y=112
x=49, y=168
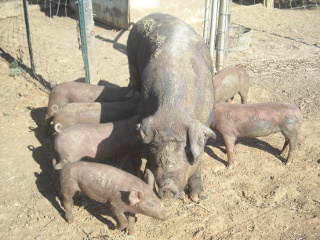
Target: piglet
x=257, y=120
x=69, y=92
x=95, y=112
x=124, y=192
x=230, y=81
x=97, y=141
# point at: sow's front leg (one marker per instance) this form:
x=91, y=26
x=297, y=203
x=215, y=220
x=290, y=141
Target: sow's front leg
x=195, y=186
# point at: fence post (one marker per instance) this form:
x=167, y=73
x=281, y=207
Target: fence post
x=206, y=21
x=87, y=41
x=26, y=20
x=223, y=33
x=213, y=30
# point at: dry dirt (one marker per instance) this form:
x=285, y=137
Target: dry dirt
x=260, y=198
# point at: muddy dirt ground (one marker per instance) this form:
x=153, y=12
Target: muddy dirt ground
x=260, y=198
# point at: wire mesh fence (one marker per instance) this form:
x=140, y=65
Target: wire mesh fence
x=54, y=41
x=284, y=4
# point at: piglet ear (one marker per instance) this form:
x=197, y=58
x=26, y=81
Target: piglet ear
x=198, y=135
x=146, y=131
x=149, y=178
x=135, y=196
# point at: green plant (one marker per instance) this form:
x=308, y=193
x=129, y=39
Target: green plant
x=15, y=68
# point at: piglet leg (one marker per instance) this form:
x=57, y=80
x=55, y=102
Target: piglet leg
x=292, y=148
x=68, y=203
x=131, y=221
x=122, y=219
x=230, y=142
x=291, y=140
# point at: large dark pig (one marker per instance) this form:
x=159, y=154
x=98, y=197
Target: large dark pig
x=230, y=81
x=171, y=64
x=97, y=141
x=257, y=120
x=69, y=92
x=125, y=193
x=95, y=112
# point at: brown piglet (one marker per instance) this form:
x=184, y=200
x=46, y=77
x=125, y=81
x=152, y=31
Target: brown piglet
x=97, y=141
x=95, y=112
x=126, y=194
x=230, y=81
x=69, y=92
x=257, y=120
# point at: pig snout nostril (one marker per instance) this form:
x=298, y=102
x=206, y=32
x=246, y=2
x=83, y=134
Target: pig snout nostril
x=168, y=193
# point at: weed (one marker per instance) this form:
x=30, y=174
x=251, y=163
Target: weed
x=16, y=69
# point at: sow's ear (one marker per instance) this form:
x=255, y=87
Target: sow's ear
x=135, y=196
x=145, y=130
x=198, y=135
x=149, y=178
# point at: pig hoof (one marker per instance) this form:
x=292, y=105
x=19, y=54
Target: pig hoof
x=288, y=163
x=194, y=197
x=84, y=203
x=203, y=196
x=119, y=227
x=131, y=232
x=70, y=220
x=230, y=167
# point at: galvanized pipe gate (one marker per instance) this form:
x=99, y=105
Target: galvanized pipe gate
x=216, y=34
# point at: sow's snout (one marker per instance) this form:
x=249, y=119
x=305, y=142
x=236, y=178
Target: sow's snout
x=168, y=190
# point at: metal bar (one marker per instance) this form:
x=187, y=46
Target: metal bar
x=206, y=21
x=26, y=20
x=83, y=40
x=213, y=29
x=223, y=33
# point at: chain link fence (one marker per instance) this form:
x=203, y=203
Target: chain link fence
x=54, y=40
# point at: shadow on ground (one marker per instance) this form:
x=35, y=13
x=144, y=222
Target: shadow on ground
x=249, y=142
